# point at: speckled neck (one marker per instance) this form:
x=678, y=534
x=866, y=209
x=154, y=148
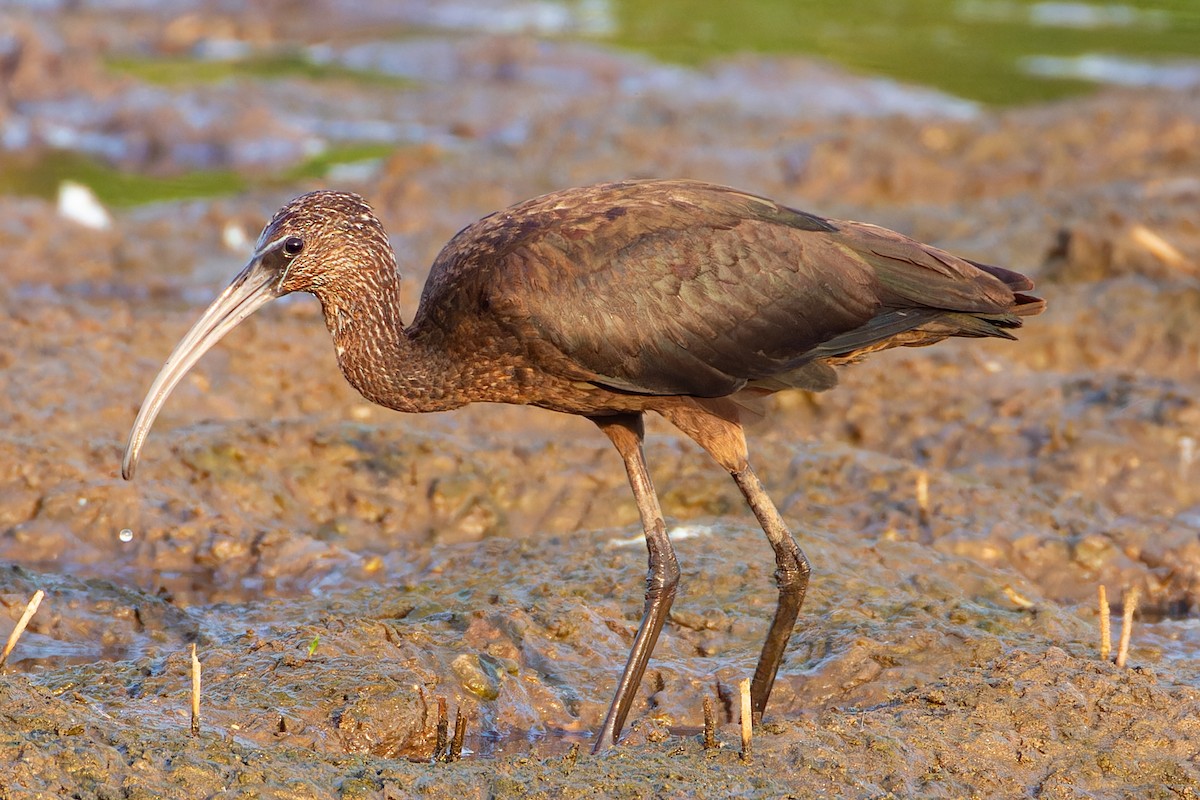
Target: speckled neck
x=378, y=356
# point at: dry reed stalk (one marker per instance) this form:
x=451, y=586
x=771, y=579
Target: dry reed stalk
x=30, y=609
x=195, y=693
x=747, y=718
x=710, y=725
x=923, y=500
x=1105, y=624
x=1129, y=603
x=460, y=732
x=443, y=730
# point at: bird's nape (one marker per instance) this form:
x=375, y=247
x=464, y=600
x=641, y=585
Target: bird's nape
x=254, y=287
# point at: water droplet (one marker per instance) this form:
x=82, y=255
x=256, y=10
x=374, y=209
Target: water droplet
x=125, y=535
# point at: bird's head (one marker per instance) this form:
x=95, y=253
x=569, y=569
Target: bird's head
x=322, y=242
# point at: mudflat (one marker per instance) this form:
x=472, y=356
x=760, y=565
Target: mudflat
x=341, y=567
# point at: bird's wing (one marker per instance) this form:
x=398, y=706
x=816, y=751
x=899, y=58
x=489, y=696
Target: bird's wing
x=685, y=288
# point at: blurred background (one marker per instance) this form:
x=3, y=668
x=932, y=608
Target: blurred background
x=152, y=101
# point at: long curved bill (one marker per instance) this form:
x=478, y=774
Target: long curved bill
x=254, y=287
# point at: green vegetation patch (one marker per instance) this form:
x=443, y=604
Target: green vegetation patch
x=969, y=48
x=40, y=176
x=319, y=165
x=279, y=65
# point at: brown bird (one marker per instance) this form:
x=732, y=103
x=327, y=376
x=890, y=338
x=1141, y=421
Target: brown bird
x=608, y=301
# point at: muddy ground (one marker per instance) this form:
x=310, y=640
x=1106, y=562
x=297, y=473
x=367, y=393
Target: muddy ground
x=340, y=566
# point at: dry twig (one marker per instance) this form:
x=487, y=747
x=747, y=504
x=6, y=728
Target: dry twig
x=1161, y=249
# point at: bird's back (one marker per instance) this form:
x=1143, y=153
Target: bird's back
x=680, y=287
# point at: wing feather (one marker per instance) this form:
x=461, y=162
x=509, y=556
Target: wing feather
x=676, y=287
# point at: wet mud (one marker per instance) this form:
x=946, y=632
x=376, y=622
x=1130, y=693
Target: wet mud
x=340, y=566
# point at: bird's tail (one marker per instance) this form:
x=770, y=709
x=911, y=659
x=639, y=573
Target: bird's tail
x=1025, y=305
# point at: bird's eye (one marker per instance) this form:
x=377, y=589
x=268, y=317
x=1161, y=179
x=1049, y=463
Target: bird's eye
x=292, y=247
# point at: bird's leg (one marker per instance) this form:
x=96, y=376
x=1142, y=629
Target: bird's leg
x=714, y=425
x=791, y=576
x=626, y=432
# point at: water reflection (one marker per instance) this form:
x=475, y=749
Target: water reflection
x=1115, y=70
x=1079, y=15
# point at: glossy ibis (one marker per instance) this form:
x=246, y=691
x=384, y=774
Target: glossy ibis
x=610, y=301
